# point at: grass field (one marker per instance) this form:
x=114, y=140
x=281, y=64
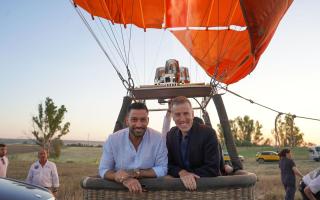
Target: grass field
x=77, y=162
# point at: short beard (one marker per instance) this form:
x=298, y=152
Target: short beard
x=136, y=134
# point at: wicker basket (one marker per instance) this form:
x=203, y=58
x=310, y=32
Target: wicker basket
x=222, y=187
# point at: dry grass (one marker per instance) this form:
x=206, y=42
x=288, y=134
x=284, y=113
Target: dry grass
x=79, y=162
x=70, y=175
x=21, y=148
x=269, y=184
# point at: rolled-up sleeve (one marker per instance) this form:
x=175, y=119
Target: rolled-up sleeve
x=161, y=164
x=107, y=159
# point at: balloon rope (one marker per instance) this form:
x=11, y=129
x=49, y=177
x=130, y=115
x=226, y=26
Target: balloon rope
x=266, y=107
x=125, y=83
x=115, y=44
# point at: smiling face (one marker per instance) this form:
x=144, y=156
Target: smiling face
x=138, y=121
x=182, y=115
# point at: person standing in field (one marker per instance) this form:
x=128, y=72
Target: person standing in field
x=134, y=152
x=288, y=173
x=4, y=162
x=44, y=173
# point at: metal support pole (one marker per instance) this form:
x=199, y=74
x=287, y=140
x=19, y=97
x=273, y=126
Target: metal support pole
x=277, y=137
x=224, y=121
x=120, y=124
x=206, y=118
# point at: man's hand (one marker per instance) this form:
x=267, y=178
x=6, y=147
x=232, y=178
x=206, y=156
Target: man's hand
x=54, y=191
x=188, y=179
x=228, y=169
x=308, y=193
x=121, y=175
x=133, y=185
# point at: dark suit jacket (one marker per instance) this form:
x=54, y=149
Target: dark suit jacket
x=203, y=151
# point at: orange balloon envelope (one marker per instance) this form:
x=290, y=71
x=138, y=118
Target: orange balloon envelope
x=226, y=37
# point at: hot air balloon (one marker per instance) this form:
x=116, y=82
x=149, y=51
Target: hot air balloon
x=225, y=37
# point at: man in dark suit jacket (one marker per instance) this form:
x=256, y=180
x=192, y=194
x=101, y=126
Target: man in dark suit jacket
x=193, y=150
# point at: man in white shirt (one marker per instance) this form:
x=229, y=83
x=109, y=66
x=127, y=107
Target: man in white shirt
x=134, y=152
x=44, y=173
x=4, y=162
x=310, y=185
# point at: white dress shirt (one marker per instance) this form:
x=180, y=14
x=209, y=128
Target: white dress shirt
x=46, y=176
x=312, y=179
x=4, y=162
x=119, y=153
x=166, y=125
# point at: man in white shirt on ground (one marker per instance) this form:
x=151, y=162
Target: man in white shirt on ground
x=4, y=162
x=310, y=185
x=44, y=173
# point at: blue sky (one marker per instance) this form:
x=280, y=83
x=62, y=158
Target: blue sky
x=45, y=50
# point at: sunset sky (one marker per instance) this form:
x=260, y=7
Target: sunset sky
x=46, y=50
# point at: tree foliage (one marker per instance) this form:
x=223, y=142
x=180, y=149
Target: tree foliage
x=245, y=131
x=48, y=125
x=288, y=133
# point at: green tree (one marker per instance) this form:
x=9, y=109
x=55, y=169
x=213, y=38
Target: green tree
x=288, y=133
x=246, y=128
x=234, y=131
x=57, y=144
x=245, y=131
x=48, y=125
x=258, y=135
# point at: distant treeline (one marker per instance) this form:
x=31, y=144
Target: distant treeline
x=72, y=143
x=83, y=145
x=16, y=141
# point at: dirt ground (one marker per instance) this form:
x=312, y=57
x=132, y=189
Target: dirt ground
x=72, y=170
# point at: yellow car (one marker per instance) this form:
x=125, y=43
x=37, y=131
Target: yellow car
x=267, y=156
x=226, y=157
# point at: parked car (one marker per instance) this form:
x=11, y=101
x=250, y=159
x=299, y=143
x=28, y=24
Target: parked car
x=226, y=157
x=267, y=156
x=11, y=189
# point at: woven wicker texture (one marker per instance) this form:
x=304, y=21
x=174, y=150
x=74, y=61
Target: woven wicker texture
x=223, y=187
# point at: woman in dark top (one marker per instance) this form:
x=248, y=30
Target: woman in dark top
x=288, y=173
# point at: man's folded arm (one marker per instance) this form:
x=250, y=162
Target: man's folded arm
x=161, y=162
x=107, y=162
x=55, y=177
x=211, y=166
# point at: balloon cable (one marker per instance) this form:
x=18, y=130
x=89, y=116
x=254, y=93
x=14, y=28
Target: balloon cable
x=126, y=83
x=266, y=107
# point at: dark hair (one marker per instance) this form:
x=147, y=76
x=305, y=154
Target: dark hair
x=198, y=120
x=137, y=106
x=3, y=145
x=283, y=152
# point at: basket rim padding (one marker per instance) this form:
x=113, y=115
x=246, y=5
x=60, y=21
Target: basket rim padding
x=174, y=184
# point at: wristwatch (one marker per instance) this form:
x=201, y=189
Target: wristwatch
x=136, y=173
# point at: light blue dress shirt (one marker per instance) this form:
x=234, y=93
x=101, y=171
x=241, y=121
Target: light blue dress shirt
x=119, y=153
